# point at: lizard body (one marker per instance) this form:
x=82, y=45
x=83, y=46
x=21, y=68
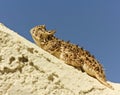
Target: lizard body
x=70, y=53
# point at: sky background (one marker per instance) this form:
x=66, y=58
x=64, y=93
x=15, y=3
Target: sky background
x=93, y=24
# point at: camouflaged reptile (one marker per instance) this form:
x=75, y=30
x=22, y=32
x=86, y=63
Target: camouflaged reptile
x=71, y=54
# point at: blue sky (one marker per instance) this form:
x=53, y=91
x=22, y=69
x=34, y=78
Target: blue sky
x=93, y=24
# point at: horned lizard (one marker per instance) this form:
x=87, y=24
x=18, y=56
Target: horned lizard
x=71, y=54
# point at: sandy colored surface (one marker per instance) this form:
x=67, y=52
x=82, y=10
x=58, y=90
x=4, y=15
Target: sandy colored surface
x=26, y=69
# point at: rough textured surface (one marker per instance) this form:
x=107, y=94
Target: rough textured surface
x=26, y=69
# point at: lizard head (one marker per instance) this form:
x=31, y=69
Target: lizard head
x=40, y=34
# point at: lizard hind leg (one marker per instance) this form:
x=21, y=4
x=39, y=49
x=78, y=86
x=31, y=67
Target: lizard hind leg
x=102, y=80
x=98, y=73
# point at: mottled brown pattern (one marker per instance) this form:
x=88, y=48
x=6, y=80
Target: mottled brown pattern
x=71, y=54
